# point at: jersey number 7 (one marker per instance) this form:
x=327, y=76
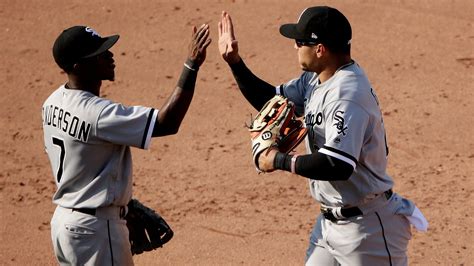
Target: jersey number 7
x=60, y=143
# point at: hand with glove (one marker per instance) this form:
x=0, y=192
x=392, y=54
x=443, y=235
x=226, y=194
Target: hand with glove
x=266, y=159
x=275, y=128
x=147, y=229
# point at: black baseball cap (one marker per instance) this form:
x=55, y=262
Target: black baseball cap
x=320, y=24
x=80, y=42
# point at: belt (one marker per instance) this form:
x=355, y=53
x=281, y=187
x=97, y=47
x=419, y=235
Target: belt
x=104, y=212
x=85, y=210
x=335, y=214
x=388, y=194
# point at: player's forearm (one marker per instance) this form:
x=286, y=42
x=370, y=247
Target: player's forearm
x=173, y=111
x=316, y=166
x=255, y=90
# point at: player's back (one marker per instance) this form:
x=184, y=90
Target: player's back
x=81, y=161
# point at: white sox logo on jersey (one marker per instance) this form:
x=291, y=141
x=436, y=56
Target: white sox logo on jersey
x=341, y=128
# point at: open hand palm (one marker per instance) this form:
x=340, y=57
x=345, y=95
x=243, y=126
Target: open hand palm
x=228, y=45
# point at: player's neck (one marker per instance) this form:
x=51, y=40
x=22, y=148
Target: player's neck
x=333, y=66
x=92, y=86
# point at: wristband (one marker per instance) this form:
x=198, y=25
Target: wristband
x=282, y=161
x=293, y=163
x=187, y=80
x=191, y=65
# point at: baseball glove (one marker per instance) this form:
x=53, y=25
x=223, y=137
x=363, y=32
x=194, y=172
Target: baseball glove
x=276, y=126
x=147, y=229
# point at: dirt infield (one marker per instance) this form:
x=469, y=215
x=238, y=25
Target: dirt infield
x=418, y=55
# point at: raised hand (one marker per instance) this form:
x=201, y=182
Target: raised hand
x=199, y=43
x=228, y=45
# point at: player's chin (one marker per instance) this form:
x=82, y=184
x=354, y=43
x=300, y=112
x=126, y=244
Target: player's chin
x=110, y=76
x=304, y=68
x=307, y=68
x=303, y=65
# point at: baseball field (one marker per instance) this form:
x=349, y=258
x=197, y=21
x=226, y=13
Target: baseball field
x=419, y=56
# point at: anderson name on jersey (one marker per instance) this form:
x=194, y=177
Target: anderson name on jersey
x=99, y=133
x=62, y=119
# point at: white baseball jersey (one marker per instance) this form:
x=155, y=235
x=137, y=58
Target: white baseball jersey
x=88, y=141
x=344, y=121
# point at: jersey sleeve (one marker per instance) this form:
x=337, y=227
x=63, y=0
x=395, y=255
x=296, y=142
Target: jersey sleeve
x=346, y=124
x=296, y=90
x=130, y=126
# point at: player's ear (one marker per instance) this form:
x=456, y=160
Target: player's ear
x=84, y=64
x=75, y=68
x=68, y=68
x=319, y=49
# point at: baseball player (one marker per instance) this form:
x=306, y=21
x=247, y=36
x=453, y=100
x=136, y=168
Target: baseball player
x=362, y=221
x=88, y=139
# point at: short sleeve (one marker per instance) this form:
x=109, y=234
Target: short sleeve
x=296, y=90
x=346, y=124
x=130, y=126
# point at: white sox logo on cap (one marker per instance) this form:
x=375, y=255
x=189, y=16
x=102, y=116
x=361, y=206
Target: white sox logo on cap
x=92, y=31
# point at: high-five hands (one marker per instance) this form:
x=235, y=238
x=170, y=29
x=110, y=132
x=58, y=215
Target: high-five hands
x=228, y=45
x=199, y=43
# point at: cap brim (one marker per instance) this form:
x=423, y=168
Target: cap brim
x=106, y=45
x=290, y=31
